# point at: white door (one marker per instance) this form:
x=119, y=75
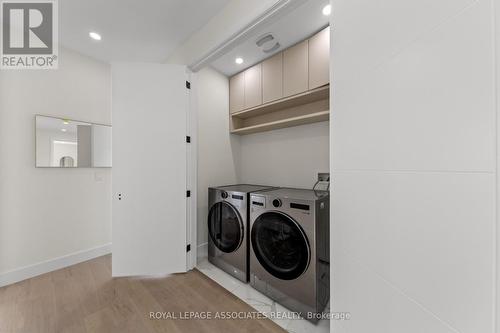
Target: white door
x=150, y=106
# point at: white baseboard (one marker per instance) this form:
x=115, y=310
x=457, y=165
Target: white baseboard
x=30, y=271
x=202, y=251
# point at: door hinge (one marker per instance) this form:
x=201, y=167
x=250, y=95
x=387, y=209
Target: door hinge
x=188, y=85
x=188, y=139
x=188, y=194
x=188, y=248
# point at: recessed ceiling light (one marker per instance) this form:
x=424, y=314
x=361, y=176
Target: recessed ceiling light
x=65, y=122
x=238, y=60
x=95, y=36
x=327, y=10
x=63, y=129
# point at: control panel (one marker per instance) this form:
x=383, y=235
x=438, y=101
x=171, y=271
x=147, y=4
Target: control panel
x=257, y=202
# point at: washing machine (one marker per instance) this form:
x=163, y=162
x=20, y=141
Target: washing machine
x=289, y=253
x=228, y=228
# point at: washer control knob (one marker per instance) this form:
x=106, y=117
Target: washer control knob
x=224, y=195
x=277, y=203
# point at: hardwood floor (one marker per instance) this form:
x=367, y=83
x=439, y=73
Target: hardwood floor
x=84, y=298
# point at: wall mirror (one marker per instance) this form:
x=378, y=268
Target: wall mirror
x=66, y=143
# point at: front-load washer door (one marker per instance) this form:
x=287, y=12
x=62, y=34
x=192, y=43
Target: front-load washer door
x=280, y=245
x=225, y=227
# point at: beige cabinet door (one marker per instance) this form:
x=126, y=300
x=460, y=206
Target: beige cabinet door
x=319, y=59
x=253, y=86
x=295, y=69
x=272, y=78
x=237, y=92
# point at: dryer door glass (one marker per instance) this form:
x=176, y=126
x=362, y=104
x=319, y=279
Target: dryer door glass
x=280, y=245
x=225, y=227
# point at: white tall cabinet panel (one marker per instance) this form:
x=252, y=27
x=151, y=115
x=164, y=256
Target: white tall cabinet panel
x=150, y=106
x=413, y=154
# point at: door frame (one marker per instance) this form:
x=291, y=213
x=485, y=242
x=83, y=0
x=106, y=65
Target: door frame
x=496, y=55
x=192, y=174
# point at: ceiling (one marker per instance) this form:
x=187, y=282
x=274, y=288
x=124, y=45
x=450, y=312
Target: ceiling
x=294, y=27
x=132, y=30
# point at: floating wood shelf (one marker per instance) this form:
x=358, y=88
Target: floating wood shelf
x=289, y=122
x=304, y=108
x=287, y=102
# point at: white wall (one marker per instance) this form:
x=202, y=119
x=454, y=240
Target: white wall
x=49, y=213
x=290, y=157
x=413, y=153
x=218, y=151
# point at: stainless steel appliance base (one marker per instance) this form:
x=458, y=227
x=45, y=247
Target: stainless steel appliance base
x=229, y=269
x=305, y=311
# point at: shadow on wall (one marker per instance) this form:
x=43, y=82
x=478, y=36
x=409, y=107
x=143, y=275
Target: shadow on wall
x=235, y=142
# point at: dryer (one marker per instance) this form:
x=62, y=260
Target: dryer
x=228, y=228
x=289, y=255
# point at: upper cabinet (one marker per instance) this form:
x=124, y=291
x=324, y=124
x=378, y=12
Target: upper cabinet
x=287, y=89
x=319, y=59
x=295, y=69
x=272, y=78
x=237, y=92
x=253, y=86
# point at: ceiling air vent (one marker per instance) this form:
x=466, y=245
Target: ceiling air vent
x=267, y=43
x=272, y=48
x=264, y=39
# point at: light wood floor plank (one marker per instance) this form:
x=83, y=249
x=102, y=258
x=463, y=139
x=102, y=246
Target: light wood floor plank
x=84, y=298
